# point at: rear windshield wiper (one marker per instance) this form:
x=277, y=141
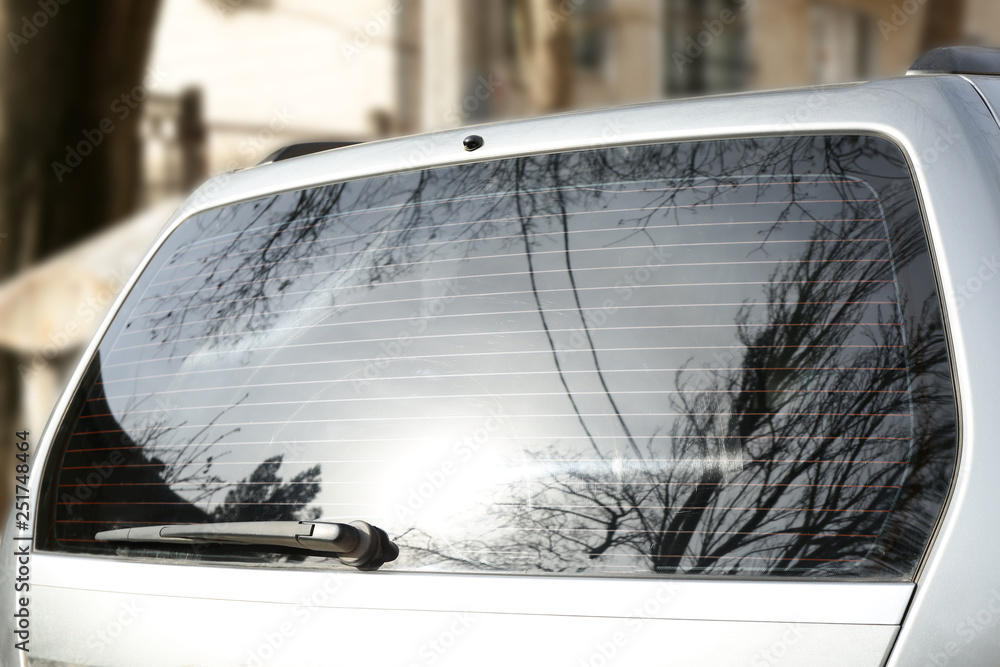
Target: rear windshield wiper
x=358, y=543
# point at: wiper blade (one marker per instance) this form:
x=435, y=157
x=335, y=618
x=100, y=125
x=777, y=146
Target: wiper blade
x=358, y=543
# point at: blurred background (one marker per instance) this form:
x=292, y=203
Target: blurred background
x=111, y=111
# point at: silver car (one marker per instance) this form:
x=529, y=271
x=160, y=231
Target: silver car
x=706, y=382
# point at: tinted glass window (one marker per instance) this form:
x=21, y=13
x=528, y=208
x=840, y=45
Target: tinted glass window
x=721, y=358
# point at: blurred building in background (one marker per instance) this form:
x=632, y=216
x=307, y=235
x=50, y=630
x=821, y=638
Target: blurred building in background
x=230, y=81
x=462, y=62
x=242, y=78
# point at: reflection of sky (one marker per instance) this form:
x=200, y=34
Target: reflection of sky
x=371, y=366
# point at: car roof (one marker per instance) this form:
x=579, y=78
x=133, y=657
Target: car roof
x=895, y=108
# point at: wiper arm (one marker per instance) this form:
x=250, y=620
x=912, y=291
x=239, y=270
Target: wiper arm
x=358, y=543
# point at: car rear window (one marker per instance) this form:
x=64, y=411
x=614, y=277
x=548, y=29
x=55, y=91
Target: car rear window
x=706, y=358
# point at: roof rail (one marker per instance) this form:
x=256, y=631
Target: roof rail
x=958, y=60
x=307, y=148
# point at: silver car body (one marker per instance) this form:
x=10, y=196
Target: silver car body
x=95, y=610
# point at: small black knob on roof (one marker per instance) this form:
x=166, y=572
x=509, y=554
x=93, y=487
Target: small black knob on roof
x=472, y=142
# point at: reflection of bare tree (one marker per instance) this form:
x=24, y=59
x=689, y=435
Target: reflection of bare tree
x=790, y=461
x=145, y=489
x=189, y=465
x=777, y=466
x=236, y=277
x=263, y=496
x=737, y=477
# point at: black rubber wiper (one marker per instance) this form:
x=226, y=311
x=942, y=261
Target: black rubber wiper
x=358, y=543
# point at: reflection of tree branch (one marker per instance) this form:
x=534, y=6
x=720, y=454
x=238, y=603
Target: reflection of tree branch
x=561, y=199
x=731, y=475
x=526, y=234
x=262, y=496
x=790, y=461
